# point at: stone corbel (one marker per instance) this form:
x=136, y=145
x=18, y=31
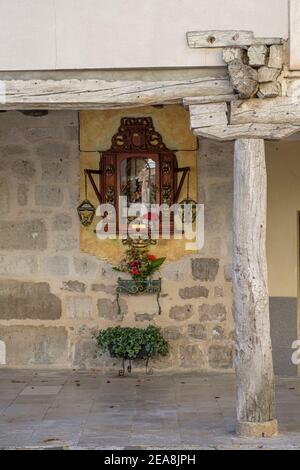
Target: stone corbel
x=257, y=70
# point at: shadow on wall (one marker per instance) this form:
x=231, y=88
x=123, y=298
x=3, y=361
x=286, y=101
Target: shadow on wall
x=283, y=320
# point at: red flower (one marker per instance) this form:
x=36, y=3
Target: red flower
x=151, y=257
x=150, y=216
x=135, y=272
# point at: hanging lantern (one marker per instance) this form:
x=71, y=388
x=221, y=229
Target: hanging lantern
x=192, y=213
x=86, y=211
x=188, y=203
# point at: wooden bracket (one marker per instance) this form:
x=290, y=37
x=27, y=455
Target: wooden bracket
x=90, y=174
x=184, y=171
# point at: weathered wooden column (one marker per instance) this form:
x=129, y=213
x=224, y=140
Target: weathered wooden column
x=254, y=365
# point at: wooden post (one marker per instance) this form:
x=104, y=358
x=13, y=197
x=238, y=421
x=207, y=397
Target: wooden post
x=254, y=365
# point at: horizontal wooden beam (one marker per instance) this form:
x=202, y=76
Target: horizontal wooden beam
x=214, y=114
x=226, y=38
x=247, y=131
x=208, y=99
x=281, y=110
x=102, y=94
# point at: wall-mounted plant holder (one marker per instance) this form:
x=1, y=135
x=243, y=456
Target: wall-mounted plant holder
x=137, y=287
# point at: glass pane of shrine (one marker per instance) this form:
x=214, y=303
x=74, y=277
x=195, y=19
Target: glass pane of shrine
x=138, y=180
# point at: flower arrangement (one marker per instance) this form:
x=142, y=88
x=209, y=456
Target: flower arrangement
x=139, y=263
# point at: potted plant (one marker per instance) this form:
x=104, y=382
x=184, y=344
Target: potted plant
x=139, y=263
x=128, y=343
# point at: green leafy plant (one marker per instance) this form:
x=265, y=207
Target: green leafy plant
x=140, y=264
x=133, y=343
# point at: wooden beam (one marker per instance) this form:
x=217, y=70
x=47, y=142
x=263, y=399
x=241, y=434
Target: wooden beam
x=254, y=366
x=102, y=94
x=247, y=131
x=213, y=114
x=226, y=38
x=281, y=110
x=208, y=99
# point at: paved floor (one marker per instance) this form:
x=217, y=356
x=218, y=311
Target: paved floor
x=84, y=409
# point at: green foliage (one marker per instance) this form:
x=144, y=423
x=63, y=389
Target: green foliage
x=132, y=343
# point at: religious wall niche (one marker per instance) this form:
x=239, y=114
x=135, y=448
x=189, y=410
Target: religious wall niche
x=140, y=169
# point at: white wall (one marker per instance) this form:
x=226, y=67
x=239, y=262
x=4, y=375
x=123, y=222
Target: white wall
x=294, y=22
x=76, y=34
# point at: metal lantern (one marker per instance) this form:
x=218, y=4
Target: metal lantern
x=193, y=204
x=192, y=213
x=86, y=211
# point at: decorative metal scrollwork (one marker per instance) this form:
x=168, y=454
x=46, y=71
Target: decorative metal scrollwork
x=133, y=287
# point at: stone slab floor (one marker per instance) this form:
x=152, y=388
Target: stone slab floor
x=85, y=409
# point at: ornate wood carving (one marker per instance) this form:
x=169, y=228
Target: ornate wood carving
x=137, y=134
x=136, y=138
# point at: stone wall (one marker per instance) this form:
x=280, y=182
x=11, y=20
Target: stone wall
x=53, y=298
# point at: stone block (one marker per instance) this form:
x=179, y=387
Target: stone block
x=4, y=196
x=30, y=345
x=276, y=56
x=85, y=352
x=191, y=356
x=73, y=286
x=71, y=133
x=55, y=169
x=56, y=265
x=28, y=300
x=74, y=196
x=197, y=331
x=51, y=196
x=180, y=313
x=231, y=53
x=22, y=194
x=205, y=269
x=212, y=313
x=21, y=265
x=78, y=306
x=86, y=266
x=23, y=235
x=193, y=292
x=14, y=150
x=171, y=333
x=62, y=222
x=220, y=356
x=257, y=55
x=108, y=309
x=228, y=272
x=218, y=291
x=23, y=169
x=103, y=288
x=217, y=333
x=176, y=271
x=267, y=74
x=66, y=242
x=144, y=316
x=37, y=134
x=55, y=150
x=269, y=90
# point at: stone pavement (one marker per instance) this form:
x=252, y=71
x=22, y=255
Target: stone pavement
x=85, y=409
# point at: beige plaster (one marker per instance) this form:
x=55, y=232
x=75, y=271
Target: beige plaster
x=283, y=168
